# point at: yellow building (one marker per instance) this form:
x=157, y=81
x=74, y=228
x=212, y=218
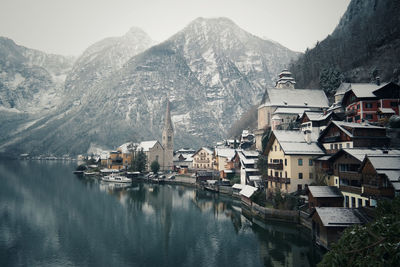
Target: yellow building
x=290, y=157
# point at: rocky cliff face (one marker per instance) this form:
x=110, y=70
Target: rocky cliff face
x=366, y=39
x=212, y=71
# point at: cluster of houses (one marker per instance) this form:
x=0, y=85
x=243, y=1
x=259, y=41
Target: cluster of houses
x=344, y=146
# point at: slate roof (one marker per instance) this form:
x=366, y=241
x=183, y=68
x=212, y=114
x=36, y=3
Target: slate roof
x=360, y=153
x=238, y=186
x=325, y=191
x=339, y=217
x=365, y=90
x=342, y=124
x=248, y=191
x=389, y=165
x=295, y=98
x=293, y=142
x=317, y=116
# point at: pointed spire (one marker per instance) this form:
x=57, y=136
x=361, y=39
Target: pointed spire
x=168, y=122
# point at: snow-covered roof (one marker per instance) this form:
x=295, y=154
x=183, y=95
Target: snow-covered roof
x=365, y=90
x=248, y=191
x=387, y=110
x=339, y=217
x=238, y=186
x=317, y=116
x=342, y=124
x=293, y=142
x=255, y=177
x=250, y=153
x=228, y=153
x=250, y=170
x=388, y=164
x=126, y=148
x=104, y=155
x=294, y=111
x=360, y=153
x=147, y=145
x=296, y=98
x=343, y=88
x=325, y=191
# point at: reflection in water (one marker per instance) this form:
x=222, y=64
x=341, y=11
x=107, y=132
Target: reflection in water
x=50, y=217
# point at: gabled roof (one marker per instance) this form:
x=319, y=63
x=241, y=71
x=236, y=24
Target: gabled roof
x=316, y=116
x=365, y=90
x=293, y=142
x=248, y=191
x=209, y=151
x=343, y=125
x=339, y=217
x=228, y=153
x=387, y=164
x=343, y=88
x=147, y=145
x=360, y=153
x=325, y=191
x=294, y=111
x=295, y=98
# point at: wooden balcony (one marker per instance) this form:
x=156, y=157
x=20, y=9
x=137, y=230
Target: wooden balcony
x=370, y=190
x=349, y=175
x=278, y=179
x=202, y=161
x=275, y=166
x=351, y=189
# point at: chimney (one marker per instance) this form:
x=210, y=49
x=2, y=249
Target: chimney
x=307, y=136
x=378, y=80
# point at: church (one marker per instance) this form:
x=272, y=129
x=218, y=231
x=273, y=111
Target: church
x=282, y=104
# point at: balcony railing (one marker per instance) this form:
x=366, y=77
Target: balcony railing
x=351, y=189
x=350, y=175
x=275, y=166
x=370, y=190
x=331, y=139
x=202, y=161
x=279, y=179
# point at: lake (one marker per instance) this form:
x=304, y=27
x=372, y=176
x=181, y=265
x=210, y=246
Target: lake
x=50, y=217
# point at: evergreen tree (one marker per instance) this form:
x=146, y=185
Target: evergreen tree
x=155, y=166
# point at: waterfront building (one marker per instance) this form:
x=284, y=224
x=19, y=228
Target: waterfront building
x=224, y=161
x=183, y=162
x=246, y=163
x=324, y=196
x=316, y=122
x=328, y=223
x=203, y=159
x=290, y=157
x=339, y=134
x=284, y=95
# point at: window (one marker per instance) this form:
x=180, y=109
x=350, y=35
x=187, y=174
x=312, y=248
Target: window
x=393, y=104
x=358, y=106
x=311, y=175
x=280, y=174
x=275, y=148
x=331, y=146
x=300, y=175
x=368, y=116
x=285, y=174
x=310, y=162
x=347, y=145
x=357, y=117
x=336, y=146
x=359, y=202
x=346, y=203
x=285, y=162
x=353, y=202
x=368, y=105
x=340, y=146
x=300, y=162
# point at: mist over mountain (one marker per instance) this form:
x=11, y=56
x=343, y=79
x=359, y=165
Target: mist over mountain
x=365, y=43
x=212, y=71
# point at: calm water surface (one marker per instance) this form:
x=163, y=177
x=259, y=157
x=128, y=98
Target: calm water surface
x=49, y=217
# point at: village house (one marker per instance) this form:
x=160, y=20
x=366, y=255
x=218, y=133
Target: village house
x=381, y=176
x=286, y=97
x=290, y=157
x=247, y=165
x=224, y=161
x=246, y=193
x=203, y=159
x=328, y=223
x=316, y=122
x=371, y=101
x=283, y=117
x=339, y=134
x=324, y=196
x=183, y=162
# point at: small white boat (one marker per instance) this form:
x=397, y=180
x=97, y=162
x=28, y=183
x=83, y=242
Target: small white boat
x=116, y=179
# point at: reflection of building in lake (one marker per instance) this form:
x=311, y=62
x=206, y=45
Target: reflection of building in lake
x=283, y=245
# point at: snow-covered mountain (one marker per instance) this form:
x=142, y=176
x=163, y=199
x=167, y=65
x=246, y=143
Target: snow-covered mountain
x=212, y=71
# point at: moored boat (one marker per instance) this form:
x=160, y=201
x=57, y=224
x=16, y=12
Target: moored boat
x=116, y=179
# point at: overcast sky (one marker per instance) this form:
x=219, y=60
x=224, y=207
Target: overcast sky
x=69, y=26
